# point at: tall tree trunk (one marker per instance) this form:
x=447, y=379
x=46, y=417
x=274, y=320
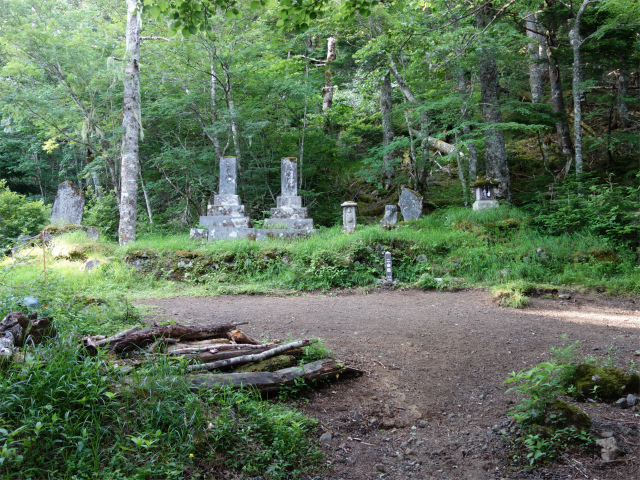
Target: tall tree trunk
x=496, y=152
x=327, y=90
x=466, y=129
x=535, y=68
x=386, y=108
x=622, y=108
x=577, y=82
x=214, y=111
x=557, y=100
x=131, y=123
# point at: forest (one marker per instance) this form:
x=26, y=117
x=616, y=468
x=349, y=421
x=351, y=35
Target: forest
x=370, y=96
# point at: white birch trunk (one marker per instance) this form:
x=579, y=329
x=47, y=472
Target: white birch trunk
x=131, y=123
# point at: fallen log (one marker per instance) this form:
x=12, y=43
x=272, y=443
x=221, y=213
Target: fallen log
x=238, y=336
x=271, y=382
x=185, y=350
x=135, y=338
x=248, y=358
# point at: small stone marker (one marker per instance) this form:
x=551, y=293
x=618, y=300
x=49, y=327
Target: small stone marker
x=68, y=206
x=349, y=217
x=410, y=204
x=390, y=215
x=387, y=267
x=93, y=233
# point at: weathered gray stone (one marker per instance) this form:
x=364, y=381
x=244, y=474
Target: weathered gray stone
x=226, y=200
x=622, y=403
x=289, y=201
x=349, y=217
x=228, y=177
x=422, y=258
x=68, y=205
x=410, y=204
x=305, y=224
x=289, y=212
x=91, y=264
x=199, y=233
x=224, y=221
x=32, y=303
x=289, y=177
x=390, y=215
x=93, y=233
x=231, y=210
x=632, y=400
x=485, y=193
x=231, y=233
x=609, y=448
x=325, y=437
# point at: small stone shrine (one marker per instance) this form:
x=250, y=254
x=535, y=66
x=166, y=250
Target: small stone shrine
x=410, y=204
x=390, y=216
x=485, y=193
x=68, y=205
x=349, y=217
x=225, y=219
x=289, y=212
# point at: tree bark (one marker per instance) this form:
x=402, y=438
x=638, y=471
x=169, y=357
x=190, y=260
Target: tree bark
x=622, y=108
x=466, y=129
x=535, y=68
x=386, y=108
x=557, y=100
x=146, y=196
x=214, y=109
x=577, y=82
x=496, y=153
x=327, y=90
x=131, y=123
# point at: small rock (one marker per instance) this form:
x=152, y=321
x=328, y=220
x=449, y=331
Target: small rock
x=539, y=251
x=632, y=400
x=421, y=258
x=422, y=424
x=357, y=417
x=93, y=263
x=564, y=296
x=605, y=434
x=439, y=280
x=381, y=468
x=408, y=452
x=622, y=403
x=610, y=450
x=325, y=437
x=32, y=303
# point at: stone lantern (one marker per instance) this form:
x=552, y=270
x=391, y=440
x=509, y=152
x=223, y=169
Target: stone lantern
x=485, y=193
x=349, y=217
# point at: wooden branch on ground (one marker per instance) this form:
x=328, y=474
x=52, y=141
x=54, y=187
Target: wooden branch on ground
x=271, y=382
x=185, y=350
x=248, y=358
x=136, y=338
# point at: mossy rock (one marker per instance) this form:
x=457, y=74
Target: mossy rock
x=560, y=414
x=269, y=365
x=607, y=383
x=188, y=254
x=71, y=251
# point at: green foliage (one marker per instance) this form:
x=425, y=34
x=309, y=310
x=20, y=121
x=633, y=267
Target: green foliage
x=606, y=210
x=102, y=213
x=316, y=350
x=18, y=216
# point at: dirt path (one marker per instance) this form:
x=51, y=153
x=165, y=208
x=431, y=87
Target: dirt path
x=437, y=363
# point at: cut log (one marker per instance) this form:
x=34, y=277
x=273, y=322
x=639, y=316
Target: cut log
x=17, y=323
x=185, y=349
x=271, y=382
x=238, y=336
x=248, y=358
x=6, y=346
x=136, y=338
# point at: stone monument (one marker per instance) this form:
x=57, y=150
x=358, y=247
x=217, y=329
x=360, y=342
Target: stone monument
x=485, y=193
x=390, y=216
x=289, y=212
x=68, y=205
x=410, y=204
x=226, y=210
x=349, y=217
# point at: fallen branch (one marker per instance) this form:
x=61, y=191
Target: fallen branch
x=271, y=382
x=218, y=348
x=248, y=358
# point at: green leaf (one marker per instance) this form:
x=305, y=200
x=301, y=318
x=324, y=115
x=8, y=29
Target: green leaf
x=193, y=29
x=229, y=14
x=154, y=11
x=254, y=5
x=185, y=32
x=283, y=14
x=280, y=23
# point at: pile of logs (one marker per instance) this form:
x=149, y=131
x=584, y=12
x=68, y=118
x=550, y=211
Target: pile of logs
x=266, y=366
x=16, y=329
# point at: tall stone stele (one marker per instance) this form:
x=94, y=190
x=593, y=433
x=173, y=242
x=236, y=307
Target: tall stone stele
x=390, y=216
x=486, y=190
x=410, y=204
x=68, y=205
x=226, y=210
x=289, y=212
x=349, y=217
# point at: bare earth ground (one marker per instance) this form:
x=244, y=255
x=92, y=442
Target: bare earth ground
x=441, y=358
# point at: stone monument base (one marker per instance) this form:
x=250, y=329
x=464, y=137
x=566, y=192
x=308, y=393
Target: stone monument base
x=484, y=204
x=231, y=233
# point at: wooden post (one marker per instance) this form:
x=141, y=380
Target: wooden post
x=44, y=258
